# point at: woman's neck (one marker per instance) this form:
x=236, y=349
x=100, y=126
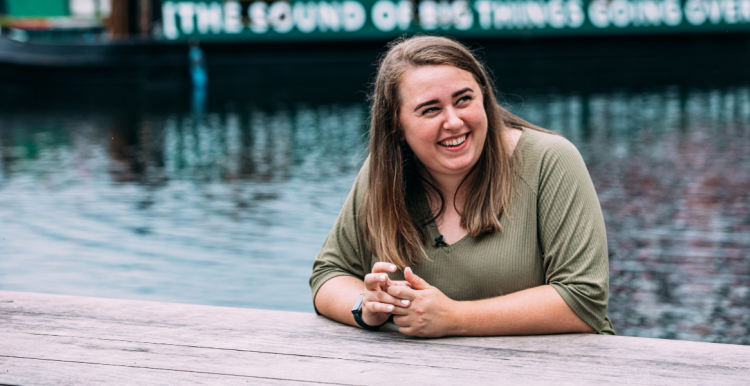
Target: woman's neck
x=447, y=186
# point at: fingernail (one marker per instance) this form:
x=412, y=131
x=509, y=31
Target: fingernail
x=390, y=308
x=392, y=267
x=405, y=302
x=408, y=269
x=383, y=277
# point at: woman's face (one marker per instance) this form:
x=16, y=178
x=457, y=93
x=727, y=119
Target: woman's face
x=443, y=119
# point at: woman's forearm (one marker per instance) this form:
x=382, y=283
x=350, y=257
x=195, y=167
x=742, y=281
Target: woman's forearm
x=538, y=310
x=336, y=297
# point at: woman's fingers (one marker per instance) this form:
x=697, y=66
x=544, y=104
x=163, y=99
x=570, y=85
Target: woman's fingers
x=383, y=297
x=382, y=267
x=415, y=281
x=402, y=292
x=376, y=281
x=401, y=321
x=380, y=307
x=400, y=311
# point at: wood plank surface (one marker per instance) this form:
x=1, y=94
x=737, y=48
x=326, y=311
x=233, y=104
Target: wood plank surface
x=55, y=339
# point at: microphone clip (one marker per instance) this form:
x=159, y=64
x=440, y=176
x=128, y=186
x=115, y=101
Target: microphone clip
x=439, y=242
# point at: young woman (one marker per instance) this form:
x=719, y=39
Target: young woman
x=465, y=219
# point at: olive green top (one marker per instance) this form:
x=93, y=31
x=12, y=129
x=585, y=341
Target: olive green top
x=553, y=234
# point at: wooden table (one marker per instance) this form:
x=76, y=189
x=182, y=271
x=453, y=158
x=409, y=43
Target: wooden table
x=54, y=339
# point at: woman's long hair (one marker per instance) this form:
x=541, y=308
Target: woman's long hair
x=390, y=220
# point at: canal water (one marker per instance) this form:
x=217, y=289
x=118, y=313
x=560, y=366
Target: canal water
x=227, y=203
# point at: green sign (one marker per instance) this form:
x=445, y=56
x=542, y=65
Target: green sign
x=37, y=8
x=378, y=19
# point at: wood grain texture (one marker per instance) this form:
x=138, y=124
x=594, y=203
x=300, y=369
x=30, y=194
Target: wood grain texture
x=52, y=339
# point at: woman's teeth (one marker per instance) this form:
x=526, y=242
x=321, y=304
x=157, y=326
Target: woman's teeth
x=454, y=142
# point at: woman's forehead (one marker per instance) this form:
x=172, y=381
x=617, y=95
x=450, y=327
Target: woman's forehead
x=434, y=82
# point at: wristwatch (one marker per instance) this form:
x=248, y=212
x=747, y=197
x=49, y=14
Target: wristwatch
x=357, y=312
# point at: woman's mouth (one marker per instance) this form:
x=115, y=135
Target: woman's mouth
x=454, y=142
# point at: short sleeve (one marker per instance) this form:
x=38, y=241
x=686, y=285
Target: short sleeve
x=344, y=252
x=572, y=234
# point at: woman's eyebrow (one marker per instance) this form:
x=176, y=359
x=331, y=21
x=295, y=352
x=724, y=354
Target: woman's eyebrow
x=433, y=101
x=459, y=92
x=423, y=104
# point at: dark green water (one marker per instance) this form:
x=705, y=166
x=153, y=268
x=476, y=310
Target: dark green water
x=227, y=203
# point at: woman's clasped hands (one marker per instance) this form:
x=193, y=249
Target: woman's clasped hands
x=418, y=308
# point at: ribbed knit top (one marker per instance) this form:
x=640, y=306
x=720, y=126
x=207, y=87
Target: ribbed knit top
x=552, y=234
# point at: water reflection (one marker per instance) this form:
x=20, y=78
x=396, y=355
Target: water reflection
x=228, y=206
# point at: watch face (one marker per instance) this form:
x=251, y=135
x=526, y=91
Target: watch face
x=357, y=309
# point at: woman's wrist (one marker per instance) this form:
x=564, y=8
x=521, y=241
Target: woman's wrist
x=457, y=320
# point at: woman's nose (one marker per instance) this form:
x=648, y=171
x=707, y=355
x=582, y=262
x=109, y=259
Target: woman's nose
x=452, y=120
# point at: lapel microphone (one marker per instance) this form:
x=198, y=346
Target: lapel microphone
x=439, y=242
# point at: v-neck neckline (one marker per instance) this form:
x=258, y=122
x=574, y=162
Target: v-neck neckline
x=434, y=233
x=434, y=230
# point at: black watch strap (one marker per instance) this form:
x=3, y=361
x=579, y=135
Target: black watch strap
x=357, y=312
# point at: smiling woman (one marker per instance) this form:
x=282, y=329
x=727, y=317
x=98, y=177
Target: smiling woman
x=446, y=132
x=465, y=219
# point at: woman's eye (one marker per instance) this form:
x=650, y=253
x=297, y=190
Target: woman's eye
x=463, y=99
x=429, y=110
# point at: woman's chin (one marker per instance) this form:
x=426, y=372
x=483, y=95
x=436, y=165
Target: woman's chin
x=456, y=168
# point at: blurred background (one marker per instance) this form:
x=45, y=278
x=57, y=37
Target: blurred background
x=200, y=151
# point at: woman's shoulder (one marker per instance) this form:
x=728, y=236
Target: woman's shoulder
x=541, y=142
x=542, y=151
